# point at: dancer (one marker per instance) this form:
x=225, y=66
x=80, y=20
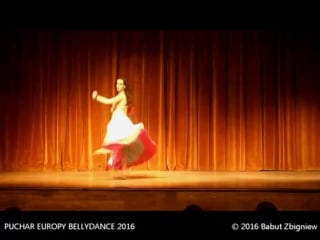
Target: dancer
x=128, y=143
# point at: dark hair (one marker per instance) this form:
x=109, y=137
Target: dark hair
x=266, y=207
x=193, y=208
x=13, y=209
x=127, y=90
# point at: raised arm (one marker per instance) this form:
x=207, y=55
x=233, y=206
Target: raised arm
x=105, y=100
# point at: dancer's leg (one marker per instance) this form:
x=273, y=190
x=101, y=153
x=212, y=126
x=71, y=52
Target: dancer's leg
x=109, y=163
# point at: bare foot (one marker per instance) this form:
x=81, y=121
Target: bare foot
x=101, y=151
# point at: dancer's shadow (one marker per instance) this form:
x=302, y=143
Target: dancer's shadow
x=134, y=177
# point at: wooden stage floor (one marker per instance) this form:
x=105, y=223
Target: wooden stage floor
x=160, y=190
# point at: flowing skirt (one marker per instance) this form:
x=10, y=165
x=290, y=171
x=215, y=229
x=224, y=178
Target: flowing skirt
x=128, y=140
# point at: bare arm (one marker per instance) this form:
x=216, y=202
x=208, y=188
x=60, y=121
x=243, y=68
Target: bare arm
x=105, y=100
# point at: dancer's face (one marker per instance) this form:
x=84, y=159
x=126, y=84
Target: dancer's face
x=120, y=85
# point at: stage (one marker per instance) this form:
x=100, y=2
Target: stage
x=160, y=190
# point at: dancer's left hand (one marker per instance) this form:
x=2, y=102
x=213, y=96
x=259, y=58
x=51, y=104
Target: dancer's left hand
x=94, y=94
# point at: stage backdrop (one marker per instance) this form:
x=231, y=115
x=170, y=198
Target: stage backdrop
x=211, y=100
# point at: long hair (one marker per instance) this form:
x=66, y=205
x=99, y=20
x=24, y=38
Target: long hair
x=127, y=90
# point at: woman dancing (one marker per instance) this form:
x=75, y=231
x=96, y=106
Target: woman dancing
x=128, y=143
